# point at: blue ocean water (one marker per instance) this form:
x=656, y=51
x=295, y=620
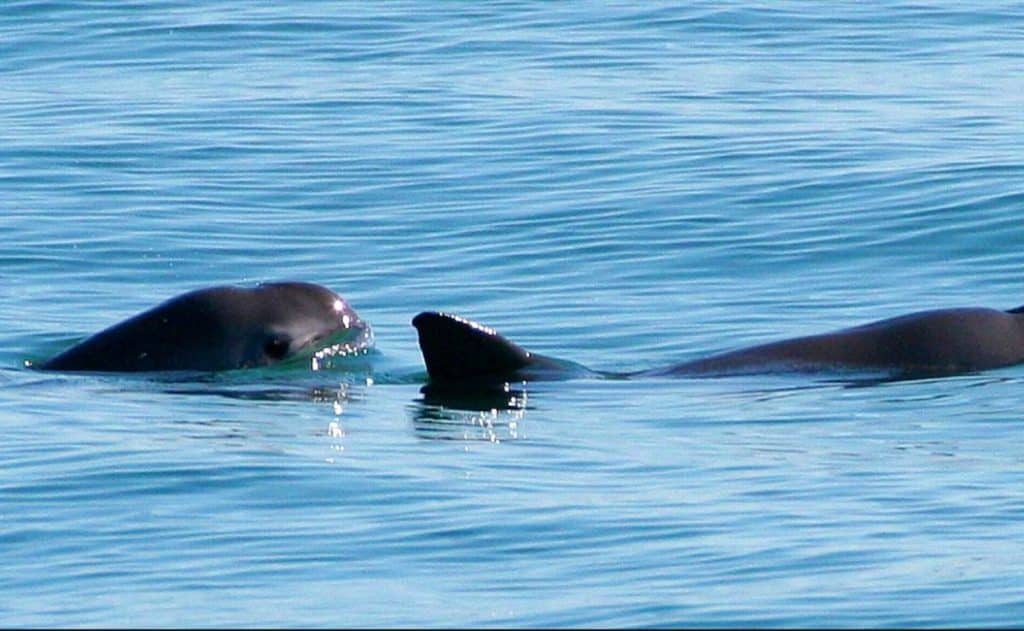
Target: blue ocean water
x=624, y=184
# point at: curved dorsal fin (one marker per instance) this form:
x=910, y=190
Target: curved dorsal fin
x=455, y=348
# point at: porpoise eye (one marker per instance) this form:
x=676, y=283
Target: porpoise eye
x=276, y=348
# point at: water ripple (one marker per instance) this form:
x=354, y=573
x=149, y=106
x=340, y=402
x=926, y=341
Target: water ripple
x=625, y=185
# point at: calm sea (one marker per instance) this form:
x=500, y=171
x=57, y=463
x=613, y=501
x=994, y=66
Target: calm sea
x=623, y=184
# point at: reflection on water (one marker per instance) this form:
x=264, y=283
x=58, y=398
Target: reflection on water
x=450, y=413
x=623, y=184
x=336, y=394
x=476, y=397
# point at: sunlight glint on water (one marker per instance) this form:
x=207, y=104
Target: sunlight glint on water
x=624, y=185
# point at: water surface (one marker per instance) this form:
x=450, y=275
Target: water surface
x=626, y=186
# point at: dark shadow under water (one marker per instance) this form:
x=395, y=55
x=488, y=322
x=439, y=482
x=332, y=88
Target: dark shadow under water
x=493, y=413
x=482, y=410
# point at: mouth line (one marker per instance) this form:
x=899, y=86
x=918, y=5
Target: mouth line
x=343, y=343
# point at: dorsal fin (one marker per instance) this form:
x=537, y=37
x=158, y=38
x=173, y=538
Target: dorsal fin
x=455, y=348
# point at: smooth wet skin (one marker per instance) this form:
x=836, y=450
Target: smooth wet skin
x=221, y=328
x=946, y=341
x=455, y=348
x=939, y=342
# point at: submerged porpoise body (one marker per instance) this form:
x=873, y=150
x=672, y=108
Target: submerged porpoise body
x=939, y=342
